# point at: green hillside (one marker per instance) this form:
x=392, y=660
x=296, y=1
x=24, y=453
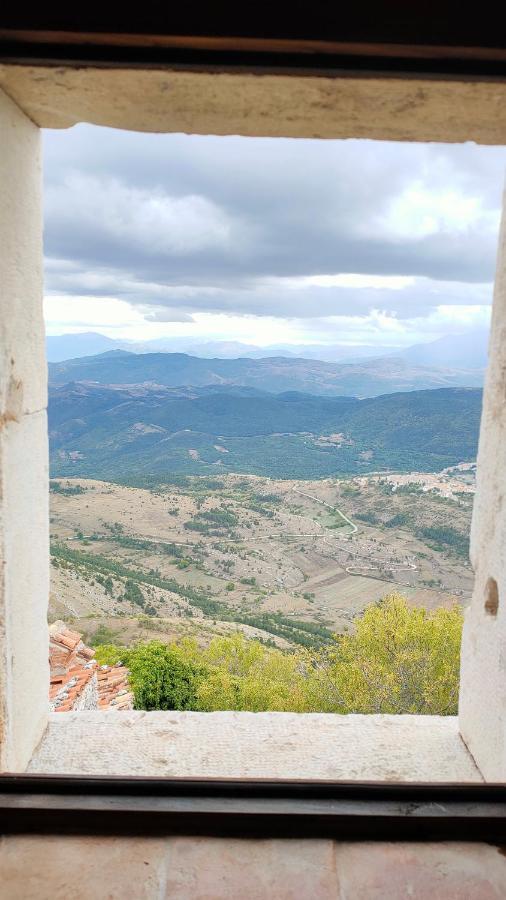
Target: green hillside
x=97, y=431
x=276, y=375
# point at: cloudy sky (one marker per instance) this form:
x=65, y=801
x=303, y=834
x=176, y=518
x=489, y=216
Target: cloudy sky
x=268, y=241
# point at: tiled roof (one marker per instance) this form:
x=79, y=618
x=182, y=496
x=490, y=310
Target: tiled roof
x=69, y=638
x=73, y=668
x=113, y=688
x=66, y=691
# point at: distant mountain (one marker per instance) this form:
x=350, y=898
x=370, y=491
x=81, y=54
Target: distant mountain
x=367, y=378
x=69, y=346
x=72, y=346
x=466, y=351
x=234, y=349
x=134, y=432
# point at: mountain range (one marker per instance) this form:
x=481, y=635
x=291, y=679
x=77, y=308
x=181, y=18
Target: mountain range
x=136, y=432
x=467, y=351
x=367, y=378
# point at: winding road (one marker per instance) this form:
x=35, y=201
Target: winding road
x=348, y=521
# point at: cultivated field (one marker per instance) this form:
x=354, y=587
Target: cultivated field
x=286, y=561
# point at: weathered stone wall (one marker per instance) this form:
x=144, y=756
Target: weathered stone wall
x=482, y=705
x=24, y=516
x=255, y=745
x=157, y=100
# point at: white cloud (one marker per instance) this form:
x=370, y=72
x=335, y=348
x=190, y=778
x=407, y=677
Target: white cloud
x=268, y=240
x=350, y=280
x=420, y=212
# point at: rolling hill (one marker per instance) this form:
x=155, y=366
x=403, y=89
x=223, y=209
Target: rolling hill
x=367, y=378
x=137, y=431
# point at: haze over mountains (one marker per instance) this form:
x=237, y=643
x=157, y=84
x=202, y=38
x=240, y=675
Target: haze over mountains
x=367, y=378
x=467, y=351
x=128, y=415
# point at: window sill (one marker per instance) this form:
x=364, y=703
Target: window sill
x=256, y=745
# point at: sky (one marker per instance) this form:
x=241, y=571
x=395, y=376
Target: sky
x=268, y=241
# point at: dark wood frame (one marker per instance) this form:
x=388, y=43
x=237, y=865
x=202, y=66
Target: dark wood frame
x=235, y=808
x=433, y=38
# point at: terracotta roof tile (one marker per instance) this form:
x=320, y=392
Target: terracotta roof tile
x=72, y=668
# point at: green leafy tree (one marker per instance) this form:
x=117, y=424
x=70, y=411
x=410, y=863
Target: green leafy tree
x=400, y=659
x=161, y=678
x=245, y=675
x=111, y=654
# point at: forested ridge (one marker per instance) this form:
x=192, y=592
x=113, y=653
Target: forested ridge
x=100, y=432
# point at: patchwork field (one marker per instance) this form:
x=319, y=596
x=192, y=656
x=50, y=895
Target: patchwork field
x=287, y=561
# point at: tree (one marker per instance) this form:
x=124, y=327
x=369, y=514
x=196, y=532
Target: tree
x=245, y=675
x=111, y=654
x=161, y=678
x=399, y=660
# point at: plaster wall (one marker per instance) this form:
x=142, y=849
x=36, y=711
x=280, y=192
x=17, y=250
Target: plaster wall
x=24, y=518
x=482, y=705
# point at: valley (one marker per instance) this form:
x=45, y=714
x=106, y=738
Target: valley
x=287, y=561
x=146, y=433
x=191, y=498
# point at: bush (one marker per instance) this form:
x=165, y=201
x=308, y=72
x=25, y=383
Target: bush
x=111, y=654
x=400, y=660
x=161, y=678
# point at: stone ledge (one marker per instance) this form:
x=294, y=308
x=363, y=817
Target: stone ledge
x=270, y=105
x=256, y=745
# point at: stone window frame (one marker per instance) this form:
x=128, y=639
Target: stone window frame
x=276, y=100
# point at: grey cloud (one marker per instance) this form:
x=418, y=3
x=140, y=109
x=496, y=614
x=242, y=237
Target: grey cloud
x=196, y=223
x=275, y=298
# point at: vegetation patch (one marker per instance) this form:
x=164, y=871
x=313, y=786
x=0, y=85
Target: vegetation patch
x=400, y=660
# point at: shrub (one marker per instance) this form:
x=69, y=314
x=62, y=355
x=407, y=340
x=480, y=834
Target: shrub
x=111, y=654
x=400, y=660
x=161, y=678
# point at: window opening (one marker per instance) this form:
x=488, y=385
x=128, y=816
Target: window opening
x=265, y=367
